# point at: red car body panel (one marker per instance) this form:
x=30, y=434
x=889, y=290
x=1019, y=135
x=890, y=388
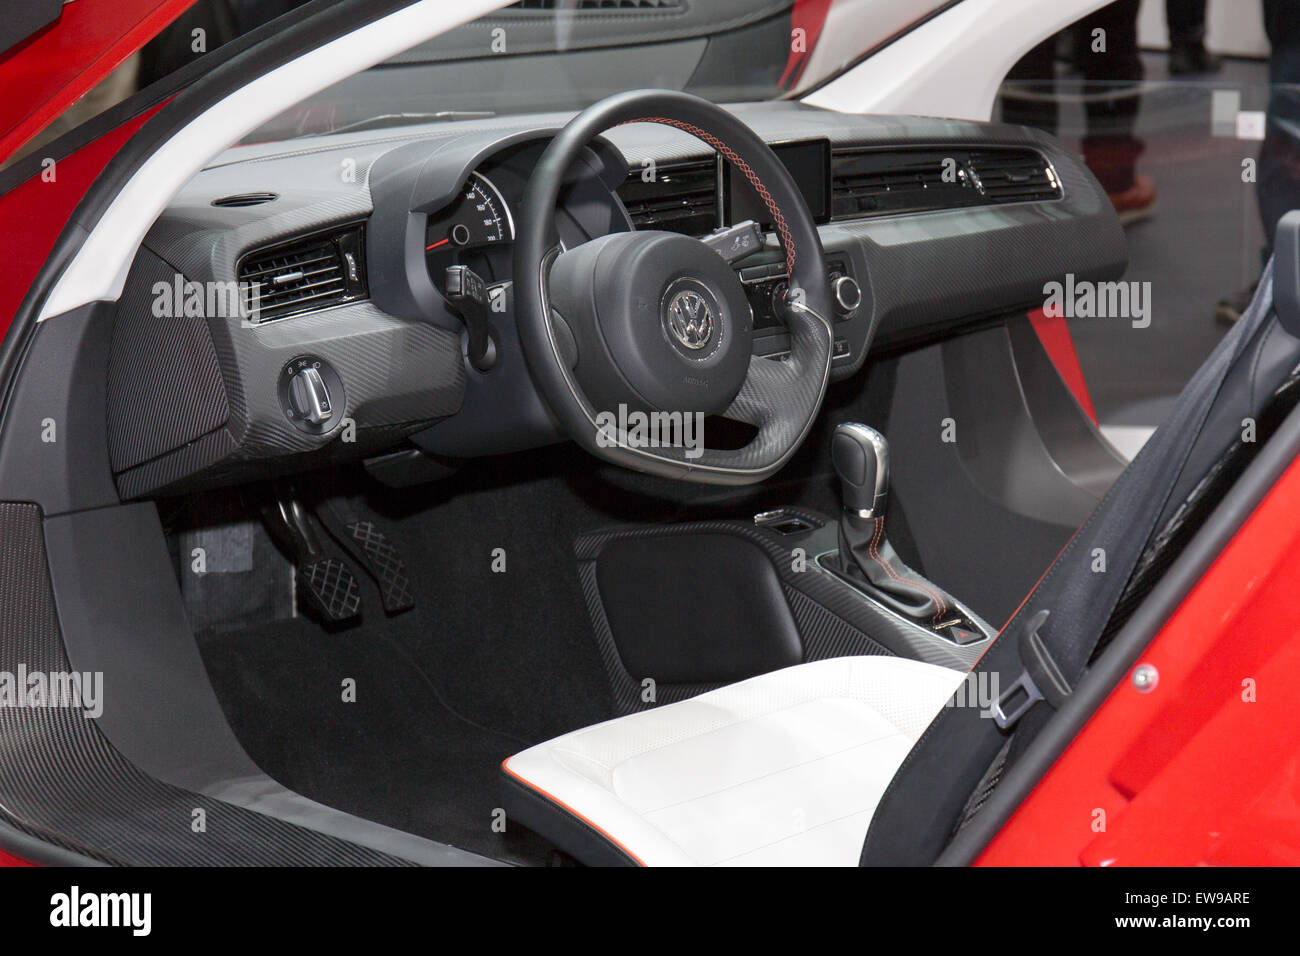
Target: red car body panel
x=1054, y=333
x=8, y=859
x=44, y=208
x=808, y=16
x=51, y=70
x=44, y=75
x=1194, y=771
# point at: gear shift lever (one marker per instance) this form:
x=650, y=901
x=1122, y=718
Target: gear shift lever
x=861, y=459
x=860, y=455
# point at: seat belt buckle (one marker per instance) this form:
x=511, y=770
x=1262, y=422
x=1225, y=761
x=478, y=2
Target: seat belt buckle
x=1040, y=680
x=1025, y=686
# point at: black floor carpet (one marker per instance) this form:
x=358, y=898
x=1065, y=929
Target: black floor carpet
x=488, y=663
x=397, y=755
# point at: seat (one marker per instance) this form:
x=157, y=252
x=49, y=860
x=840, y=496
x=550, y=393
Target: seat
x=782, y=769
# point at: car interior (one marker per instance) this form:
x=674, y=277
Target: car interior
x=333, y=508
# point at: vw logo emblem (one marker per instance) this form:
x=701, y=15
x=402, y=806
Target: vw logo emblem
x=690, y=319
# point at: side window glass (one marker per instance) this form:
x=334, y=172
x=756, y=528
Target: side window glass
x=1185, y=112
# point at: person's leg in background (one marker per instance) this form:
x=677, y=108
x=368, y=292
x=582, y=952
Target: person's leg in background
x=1106, y=42
x=1277, y=187
x=1028, y=96
x=1187, y=53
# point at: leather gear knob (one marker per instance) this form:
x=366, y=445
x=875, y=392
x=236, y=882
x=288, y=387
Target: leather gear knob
x=860, y=456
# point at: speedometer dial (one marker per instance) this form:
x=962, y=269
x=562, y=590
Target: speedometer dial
x=478, y=217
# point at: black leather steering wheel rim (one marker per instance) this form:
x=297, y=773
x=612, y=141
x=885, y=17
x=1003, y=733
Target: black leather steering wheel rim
x=781, y=398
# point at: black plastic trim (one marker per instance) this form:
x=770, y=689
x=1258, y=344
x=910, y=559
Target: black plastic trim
x=63, y=782
x=34, y=850
x=62, y=376
x=24, y=20
x=1286, y=272
x=534, y=810
x=120, y=614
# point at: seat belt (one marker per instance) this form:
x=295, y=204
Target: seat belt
x=1040, y=680
x=1054, y=652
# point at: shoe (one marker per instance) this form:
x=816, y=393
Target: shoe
x=1231, y=309
x=1191, y=59
x=1135, y=203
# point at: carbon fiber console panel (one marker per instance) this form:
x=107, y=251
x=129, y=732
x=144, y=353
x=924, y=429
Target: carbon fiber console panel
x=63, y=783
x=832, y=618
x=194, y=401
x=397, y=376
x=164, y=383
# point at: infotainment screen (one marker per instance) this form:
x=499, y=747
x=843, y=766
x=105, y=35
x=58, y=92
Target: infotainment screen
x=809, y=162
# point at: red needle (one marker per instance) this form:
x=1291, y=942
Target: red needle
x=440, y=242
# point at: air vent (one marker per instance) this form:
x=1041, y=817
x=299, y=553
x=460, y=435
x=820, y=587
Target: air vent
x=603, y=5
x=304, y=274
x=244, y=199
x=682, y=198
x=881, y=182
x=1014, y=175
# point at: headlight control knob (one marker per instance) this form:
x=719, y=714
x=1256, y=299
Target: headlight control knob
x=311, y=394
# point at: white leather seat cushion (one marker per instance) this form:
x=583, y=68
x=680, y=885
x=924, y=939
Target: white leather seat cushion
x=781, y=769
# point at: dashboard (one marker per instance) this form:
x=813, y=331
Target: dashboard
x=350, y=253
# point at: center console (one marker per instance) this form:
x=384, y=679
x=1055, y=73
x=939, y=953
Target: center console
x=681, y=608
x=766, y=283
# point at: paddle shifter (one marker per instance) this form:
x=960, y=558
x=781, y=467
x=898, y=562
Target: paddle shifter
x=861, y=458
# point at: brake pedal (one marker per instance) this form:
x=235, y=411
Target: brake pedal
x=374, y=551
x=326, y=582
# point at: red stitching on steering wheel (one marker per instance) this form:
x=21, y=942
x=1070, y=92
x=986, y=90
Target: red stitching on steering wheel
x=778, y=217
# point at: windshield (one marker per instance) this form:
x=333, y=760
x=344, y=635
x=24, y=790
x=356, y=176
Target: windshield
x=554, y=55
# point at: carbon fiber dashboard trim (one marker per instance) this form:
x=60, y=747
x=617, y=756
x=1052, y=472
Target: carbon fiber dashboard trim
x=63, y=783
x=398, y=376
x=199, y=457
x=164, y=383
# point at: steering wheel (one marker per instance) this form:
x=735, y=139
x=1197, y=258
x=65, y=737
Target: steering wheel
x=657, y=323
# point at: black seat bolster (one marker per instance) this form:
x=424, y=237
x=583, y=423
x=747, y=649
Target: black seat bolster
x=528, y=807
x=1259, y=393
